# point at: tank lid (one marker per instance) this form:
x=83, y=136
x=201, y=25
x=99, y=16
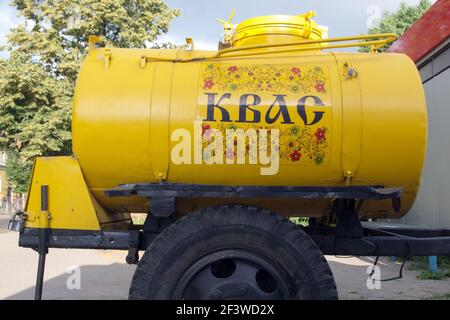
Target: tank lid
x=278, y=29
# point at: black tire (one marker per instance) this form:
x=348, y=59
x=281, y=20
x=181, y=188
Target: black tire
x=249, y=236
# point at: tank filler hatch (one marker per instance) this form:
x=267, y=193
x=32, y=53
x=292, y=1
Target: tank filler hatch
x=272, y=29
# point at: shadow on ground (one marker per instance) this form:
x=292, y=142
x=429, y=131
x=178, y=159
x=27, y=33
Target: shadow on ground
x=103, y=275
x=96, y=282
x=351, y=275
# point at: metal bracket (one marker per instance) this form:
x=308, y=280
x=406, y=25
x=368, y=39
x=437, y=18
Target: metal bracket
x=347, y=220
x=133, y=250
x=161, y=206
x=107, y=58
x=155, y=224
x=143, y=62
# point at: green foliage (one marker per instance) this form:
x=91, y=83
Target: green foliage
x=439, y=296
x=301, y=221
x=438, y=275
x=399, y=21
x=421, y=264
x=37, y=80
x=18, y=172
x=34, y=109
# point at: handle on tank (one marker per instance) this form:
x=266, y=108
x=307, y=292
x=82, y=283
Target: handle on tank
x=375, y=41
x=370, y=40
x=307, y=27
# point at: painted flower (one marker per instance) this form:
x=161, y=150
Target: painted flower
x=295, y=155
x=208, y=84
x=320, y=134
x=318, y=69
x=320, y=86
x=318, y=158
x=295, y=70
x=295, y=88
x=233, y=86
x=205, y=127
x=295, y=131
x=232, y=69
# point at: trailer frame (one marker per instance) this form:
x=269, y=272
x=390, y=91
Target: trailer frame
x=348, y=237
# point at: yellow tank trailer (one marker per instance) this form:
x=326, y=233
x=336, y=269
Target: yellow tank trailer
x=348, y=131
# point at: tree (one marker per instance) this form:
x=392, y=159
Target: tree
x=399, y=21
x=18, y=172
x=37, y=80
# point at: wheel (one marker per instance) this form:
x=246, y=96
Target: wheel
x=233, y=252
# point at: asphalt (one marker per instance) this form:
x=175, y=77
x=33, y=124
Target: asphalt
x=4, y=220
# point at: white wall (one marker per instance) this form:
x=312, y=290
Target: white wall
x=432, y=207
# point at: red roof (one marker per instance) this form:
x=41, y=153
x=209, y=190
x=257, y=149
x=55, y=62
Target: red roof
x=427, y=33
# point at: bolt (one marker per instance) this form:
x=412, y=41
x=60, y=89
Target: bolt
x=129, y=259
x=216, y=295
x=243, y=291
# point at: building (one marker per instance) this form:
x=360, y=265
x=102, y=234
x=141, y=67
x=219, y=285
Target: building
x=427, y=43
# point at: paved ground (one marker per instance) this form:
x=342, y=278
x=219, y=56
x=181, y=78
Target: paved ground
x=3, y=223
x=105, y=275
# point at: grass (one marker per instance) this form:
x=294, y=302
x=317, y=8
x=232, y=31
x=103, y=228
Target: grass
x=440, y=296
x=439, y=275
x=301, y=221
x=421, y=264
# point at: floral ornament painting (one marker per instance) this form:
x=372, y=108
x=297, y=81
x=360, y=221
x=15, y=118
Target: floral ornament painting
x=299, y=143
x=254, y=78
x=296, y=144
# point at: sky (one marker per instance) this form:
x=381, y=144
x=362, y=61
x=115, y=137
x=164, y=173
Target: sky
x=343, y=17
x=198, y=18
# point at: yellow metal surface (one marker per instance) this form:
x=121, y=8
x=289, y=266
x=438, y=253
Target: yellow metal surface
x=71, y=205
x=375, y=122
x=160, y=119
x=344, y=118
x=278, y=29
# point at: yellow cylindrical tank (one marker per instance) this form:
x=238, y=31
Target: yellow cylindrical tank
x=343, y=118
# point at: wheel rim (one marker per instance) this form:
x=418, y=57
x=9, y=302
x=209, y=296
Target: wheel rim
x=234, y=275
